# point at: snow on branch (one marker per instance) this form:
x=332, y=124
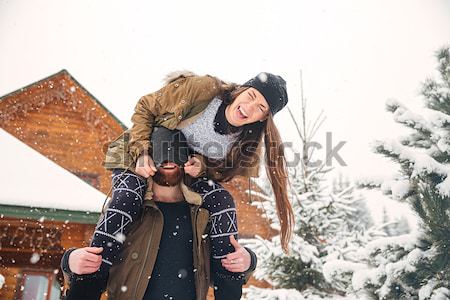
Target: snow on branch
x=422, y=164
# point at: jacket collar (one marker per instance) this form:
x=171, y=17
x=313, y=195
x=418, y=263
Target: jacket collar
x=190, y=196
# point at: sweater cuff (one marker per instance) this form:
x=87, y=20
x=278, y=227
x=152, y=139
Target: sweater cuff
x=253, y=260
x=65, y=262
x=137, y=149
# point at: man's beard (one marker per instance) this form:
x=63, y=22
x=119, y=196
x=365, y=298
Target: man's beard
x=168, y=177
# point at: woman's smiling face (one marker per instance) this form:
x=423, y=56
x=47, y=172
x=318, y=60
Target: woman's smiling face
x=248, y=107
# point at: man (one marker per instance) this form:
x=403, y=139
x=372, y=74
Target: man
x=167, y=253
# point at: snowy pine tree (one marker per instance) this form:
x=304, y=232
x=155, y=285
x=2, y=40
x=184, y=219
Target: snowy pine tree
x=361, y=218
x=415, y=265
x=319, y=219
x=395, y=227
x=422, y=268
x=324, y=219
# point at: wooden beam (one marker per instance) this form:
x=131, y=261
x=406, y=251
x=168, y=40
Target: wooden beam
x=49, y=214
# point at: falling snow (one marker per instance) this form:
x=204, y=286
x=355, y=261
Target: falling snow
x=2, y=281
x=120, y=237
x=35, y=257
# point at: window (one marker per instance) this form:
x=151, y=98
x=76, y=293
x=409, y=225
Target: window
x=39, y=285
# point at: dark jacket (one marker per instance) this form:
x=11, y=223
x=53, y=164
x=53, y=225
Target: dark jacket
x=137, y=259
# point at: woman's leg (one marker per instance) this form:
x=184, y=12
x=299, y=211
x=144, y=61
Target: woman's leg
x=223, y=223
x=111, y=230
x=124, y=208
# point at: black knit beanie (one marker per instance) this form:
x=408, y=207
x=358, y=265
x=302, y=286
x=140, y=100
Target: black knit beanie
x=273, y=88
x=169, y=145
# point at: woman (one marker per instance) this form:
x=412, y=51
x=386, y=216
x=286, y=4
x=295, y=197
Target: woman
x=224, y=125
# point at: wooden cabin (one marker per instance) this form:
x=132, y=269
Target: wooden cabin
x=44, y=210
x=61, y=121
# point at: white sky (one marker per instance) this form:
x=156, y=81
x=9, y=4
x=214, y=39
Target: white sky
x=354, y=54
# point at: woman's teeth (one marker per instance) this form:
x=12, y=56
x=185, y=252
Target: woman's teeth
x=242, y=112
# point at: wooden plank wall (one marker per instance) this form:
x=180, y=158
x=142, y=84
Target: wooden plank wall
x=21, y=238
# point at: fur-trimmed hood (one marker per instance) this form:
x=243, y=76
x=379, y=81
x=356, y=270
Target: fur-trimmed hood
x=175, y=74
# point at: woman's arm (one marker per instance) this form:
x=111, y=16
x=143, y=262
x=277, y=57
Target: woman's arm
x=179, y=95
x=143, y=120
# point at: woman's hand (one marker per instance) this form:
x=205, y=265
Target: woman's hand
x=145, y=166
x=238, y=261
x=85, y=260
x=193, y=167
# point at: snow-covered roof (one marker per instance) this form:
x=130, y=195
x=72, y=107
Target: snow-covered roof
x=29, y=179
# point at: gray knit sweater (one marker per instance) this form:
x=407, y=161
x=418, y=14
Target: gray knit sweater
x=202, y=138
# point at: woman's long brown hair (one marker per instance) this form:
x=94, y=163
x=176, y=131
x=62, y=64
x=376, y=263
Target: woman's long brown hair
x=244, y=154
